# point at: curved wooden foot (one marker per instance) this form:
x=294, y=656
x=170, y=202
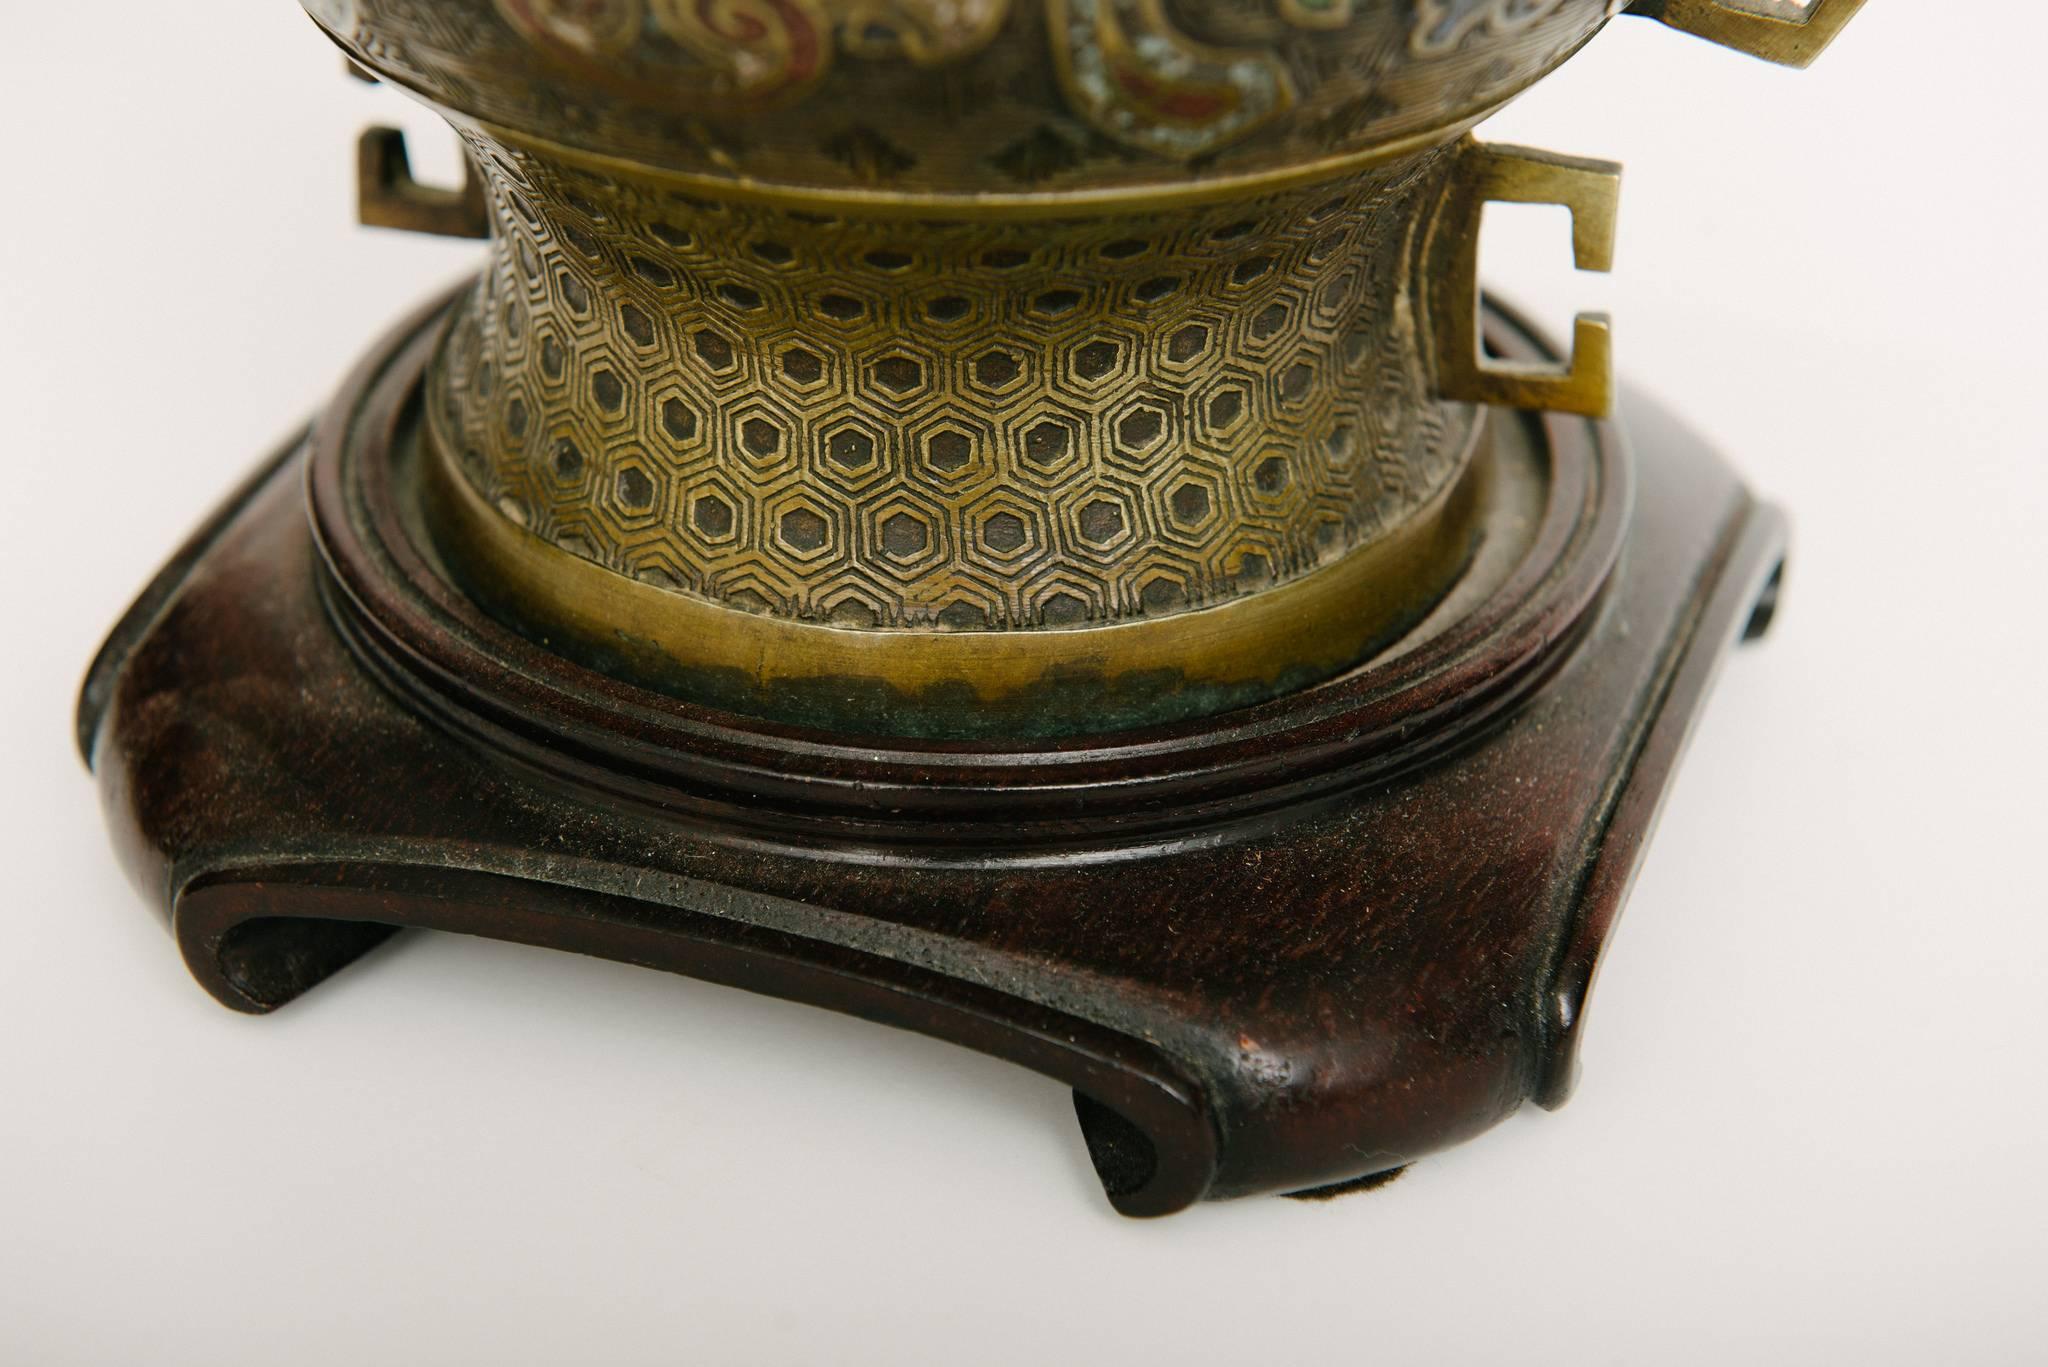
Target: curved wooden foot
x=1278, y=950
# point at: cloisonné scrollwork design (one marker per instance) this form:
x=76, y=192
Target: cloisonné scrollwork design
x=938, y=101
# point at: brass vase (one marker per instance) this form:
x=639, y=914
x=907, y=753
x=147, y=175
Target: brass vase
x=979, y=367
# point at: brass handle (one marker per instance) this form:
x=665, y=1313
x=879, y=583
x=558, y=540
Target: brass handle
x=1776, y=30
x=387, y=196
x=1490, y=173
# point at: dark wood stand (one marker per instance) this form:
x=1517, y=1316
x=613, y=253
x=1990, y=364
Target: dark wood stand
x=1278, y=949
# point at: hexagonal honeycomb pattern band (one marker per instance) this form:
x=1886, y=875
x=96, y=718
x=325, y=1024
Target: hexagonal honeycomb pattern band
x=883, y=424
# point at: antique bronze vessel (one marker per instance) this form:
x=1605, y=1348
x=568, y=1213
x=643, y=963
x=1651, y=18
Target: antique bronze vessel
x=1007, y=517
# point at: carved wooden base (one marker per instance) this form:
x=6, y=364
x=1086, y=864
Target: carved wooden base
x=1279, y=948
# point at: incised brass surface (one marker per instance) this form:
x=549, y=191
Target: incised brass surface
x=980, y=352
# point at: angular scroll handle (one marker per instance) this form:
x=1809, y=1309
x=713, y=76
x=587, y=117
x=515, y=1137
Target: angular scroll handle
x=1776, y=30
x=387, y=196
x=1491, y=173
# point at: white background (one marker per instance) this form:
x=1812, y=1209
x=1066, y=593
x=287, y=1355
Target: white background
x=1812, y=1121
